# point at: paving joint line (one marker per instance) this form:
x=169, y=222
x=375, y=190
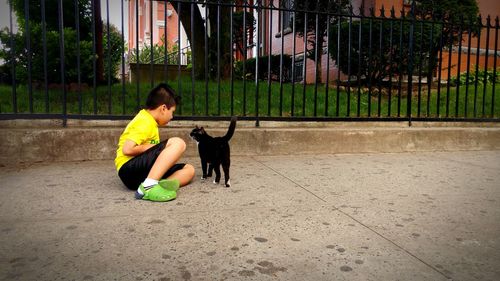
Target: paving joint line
x=289, y=179
x=359, y=222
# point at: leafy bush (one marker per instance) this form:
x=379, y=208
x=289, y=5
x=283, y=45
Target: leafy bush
x=385, y=55
x=490, y=75
x=263, y=68
x=53, y=58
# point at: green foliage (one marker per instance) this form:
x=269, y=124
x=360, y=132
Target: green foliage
x=53, y=58
x=52, y=17
x=158, y=52
x=374, y=64
x=478, y=77
x=21, y=57
x=264, y=67
x=374, y=61
x=460, y=14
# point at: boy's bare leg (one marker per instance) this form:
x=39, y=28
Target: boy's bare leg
x=184, y=176
x=172, y=152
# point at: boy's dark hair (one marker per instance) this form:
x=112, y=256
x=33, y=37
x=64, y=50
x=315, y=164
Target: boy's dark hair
x=162, y=94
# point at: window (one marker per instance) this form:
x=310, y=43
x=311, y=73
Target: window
x=287, y=15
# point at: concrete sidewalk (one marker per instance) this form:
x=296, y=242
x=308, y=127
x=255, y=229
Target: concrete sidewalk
x=404, y=216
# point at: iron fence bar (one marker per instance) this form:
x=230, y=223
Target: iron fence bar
x=448, y=81
x=122, y=56
x=94, y=62
x=494, y=68
x=337, y=102
x=485, y=80
x=165, y=43
x=77, y=23
x=13, y=61
x=410, y=66
x=419, y=95
x=44, y=42
x=457, y=94
x=327, y=63
x=292, y=104
x=469, y=31
x=137, y=58
x=61, y=52
x=259, y=30
x=441, y=43
x=206, y=59
x=304, y=67
x=360, y=46
x=370, y=44
x=281, y=14
x=316, y=66
x=391, y=37
x=476, y=78
x=348, y=109
x=192, y=44
x=219, y=22
x=231, y=63
x=400, y=72
x=379, y=82
x=179, y=85
x=29, y=53
x=13, y=116
x=270, y=36
x=429, y=70
x=151, y=33
x=108, y=43
x=245, y=60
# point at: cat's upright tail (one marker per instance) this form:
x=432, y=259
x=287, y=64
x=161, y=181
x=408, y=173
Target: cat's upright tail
x=231, y=129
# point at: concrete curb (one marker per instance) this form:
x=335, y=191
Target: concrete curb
x=44, y=140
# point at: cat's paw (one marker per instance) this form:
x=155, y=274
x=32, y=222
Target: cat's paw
x=228, y=183
x=215, y=182
x=203, y=178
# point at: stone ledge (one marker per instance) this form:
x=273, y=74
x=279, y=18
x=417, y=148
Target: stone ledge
x=99, y=143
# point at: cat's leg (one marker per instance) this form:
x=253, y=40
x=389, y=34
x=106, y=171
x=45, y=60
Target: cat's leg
x=210, y=169
x=204, y=169
x=217, y=173
x=227, y=180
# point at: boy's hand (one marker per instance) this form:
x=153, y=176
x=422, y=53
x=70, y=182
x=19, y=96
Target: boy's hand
x=130, y=148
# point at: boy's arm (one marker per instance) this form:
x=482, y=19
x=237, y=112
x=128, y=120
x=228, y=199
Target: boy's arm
x=130, y=148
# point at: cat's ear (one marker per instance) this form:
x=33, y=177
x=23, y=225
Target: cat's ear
x=196, y=127
x=202, y=130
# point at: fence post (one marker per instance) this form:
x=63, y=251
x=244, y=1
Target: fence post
x=410, y=64
x=259, y=28
x=61, y=52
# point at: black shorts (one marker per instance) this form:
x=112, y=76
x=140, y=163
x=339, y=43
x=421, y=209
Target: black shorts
x=135, y=171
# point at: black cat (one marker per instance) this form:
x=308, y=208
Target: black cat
x=214, y=152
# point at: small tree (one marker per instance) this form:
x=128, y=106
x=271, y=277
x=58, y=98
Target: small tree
x=374, y=60
x=53, y=58
x=387, y=54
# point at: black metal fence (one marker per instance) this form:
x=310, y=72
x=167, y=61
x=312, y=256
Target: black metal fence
x=260, y=60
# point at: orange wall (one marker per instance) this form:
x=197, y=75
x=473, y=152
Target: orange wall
x=463, y=63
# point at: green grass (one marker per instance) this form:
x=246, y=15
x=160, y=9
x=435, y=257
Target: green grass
x=243, y=101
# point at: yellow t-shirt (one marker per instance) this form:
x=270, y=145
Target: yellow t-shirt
x=143, y=129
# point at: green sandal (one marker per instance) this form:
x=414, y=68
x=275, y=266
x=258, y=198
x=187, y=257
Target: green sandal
x=156, y=193
x=172, y=185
